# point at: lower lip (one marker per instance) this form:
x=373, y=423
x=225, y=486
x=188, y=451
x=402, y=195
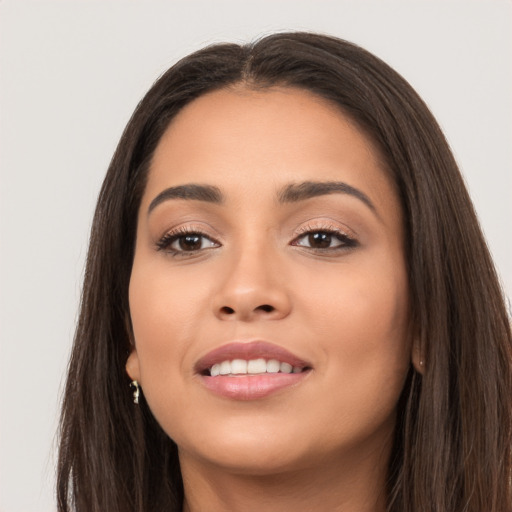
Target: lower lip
x=252, y=387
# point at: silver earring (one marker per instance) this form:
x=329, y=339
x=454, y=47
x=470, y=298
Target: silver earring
x=136, y=391
x=422, y=363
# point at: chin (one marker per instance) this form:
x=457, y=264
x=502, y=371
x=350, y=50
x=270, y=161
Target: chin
x=256, y=450
x=251, y=460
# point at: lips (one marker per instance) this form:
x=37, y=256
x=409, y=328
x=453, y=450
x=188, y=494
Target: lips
x=248, y=371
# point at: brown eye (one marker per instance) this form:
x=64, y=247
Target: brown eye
x=320, y=240
x=182, y=243
x=324, y=240
x=189, y=242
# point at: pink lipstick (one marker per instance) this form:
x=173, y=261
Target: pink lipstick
x=249, y=371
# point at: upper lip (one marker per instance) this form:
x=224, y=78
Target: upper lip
x=248, y=350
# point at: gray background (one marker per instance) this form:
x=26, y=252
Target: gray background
x=71, y=75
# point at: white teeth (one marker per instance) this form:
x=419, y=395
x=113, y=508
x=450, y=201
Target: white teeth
x=273, y=366
x=252, y=367
x=225, y=368
x=256, y=366
x=238, y=366
x=286, y=368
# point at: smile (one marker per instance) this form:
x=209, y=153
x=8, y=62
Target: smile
x=252, y=367
x=249, y=371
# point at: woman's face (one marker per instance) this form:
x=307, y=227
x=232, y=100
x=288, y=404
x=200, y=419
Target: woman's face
x=269, y=231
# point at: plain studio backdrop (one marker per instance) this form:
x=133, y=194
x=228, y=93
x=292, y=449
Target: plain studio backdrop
x=71, y=75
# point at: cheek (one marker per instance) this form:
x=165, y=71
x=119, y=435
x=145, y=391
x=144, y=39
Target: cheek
x=361, y=305
x=360, y=318
x=162, y=302
x=165, y=318
x=168, y=318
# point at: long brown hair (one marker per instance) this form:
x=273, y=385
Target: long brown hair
x=452, y=447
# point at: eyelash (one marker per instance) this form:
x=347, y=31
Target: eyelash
x=346, y=241
x=164, y=244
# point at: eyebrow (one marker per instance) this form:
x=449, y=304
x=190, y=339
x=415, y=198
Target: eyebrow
x=309, y=189
x=192, y=191
x=292, y=193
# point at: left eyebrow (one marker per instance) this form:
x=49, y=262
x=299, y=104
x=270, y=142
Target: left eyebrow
x=191, y=192
x=308, y=189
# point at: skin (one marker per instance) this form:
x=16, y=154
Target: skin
x=324, y=443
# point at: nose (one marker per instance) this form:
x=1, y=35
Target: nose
x=252, y=288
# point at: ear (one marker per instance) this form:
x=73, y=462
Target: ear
x=417, y=355
x=132, y=365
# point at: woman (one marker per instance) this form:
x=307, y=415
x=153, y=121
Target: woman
x=285, y=264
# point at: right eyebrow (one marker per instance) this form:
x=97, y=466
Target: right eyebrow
x=191, y=191
x=308, y=189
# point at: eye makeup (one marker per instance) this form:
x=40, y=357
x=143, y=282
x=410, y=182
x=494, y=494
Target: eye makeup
x=185, y=241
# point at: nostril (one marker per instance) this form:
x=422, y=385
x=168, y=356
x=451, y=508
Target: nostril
x=229, y=311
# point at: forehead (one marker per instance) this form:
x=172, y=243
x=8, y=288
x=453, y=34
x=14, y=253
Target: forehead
x=252, y=142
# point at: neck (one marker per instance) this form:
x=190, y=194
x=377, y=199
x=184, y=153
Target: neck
x=332, y=486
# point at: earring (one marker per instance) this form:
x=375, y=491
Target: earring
x=422, y=363
x=136, y=391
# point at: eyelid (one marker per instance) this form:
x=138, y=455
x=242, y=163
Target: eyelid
x=347, y=237
x=325, y=225
x=171, y=235
x=189, y=226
